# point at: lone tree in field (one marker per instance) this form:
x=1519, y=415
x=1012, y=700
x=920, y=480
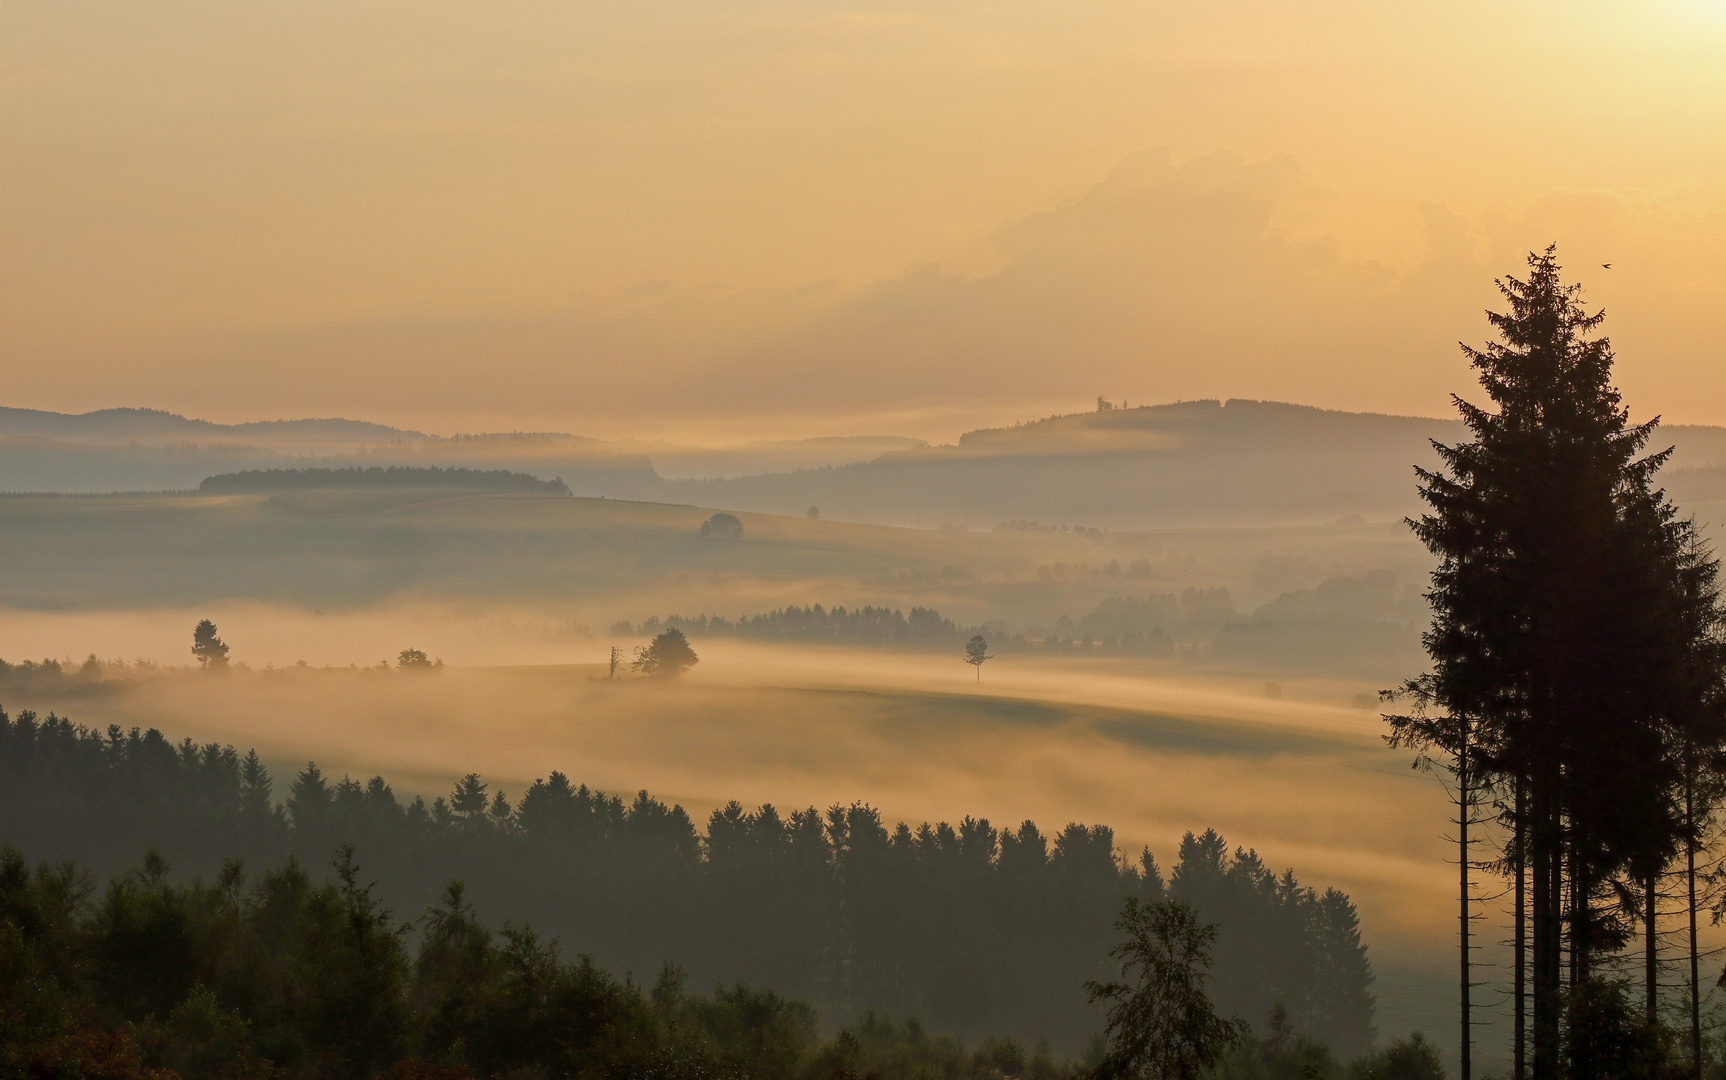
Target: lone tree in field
x=977, y=654
x=211, y=651
x=667, y=657
x=1161, y=1025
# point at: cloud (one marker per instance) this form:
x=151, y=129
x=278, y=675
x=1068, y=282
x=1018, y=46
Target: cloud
x=1168, y=279
x=1165, y=280
x=1173, y=280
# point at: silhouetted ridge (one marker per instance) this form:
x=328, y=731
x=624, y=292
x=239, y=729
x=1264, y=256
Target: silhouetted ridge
x=133, y=423
x=395, y=476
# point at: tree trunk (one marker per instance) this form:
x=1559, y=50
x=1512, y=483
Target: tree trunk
x=1578, y=916
x=1520, y=935
x=1462, y=803
x=1650, y=950
x=1547, y=898
x=1690, y=883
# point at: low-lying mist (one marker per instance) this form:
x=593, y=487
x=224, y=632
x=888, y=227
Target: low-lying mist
x=1296, y=768
x=1302, y=777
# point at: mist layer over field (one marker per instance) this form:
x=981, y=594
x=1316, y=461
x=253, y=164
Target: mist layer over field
x=1254, y=713
x=1152, y=752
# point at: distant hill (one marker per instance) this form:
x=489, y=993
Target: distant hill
x=1189, y=464
x=151, y=450
x=1196, y=463
x=118, y=426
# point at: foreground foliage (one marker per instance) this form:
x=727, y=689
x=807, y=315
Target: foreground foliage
x=282, y=977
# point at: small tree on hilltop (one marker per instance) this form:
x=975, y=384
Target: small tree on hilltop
x=211, y=651
x=977, y=654
x=1162, y=1025
x=667, y=657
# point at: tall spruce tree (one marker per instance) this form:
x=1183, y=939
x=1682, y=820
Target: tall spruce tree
x=1565, y=623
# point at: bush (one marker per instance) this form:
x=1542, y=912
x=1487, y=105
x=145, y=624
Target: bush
x=722, y=527
x=1413, y=1058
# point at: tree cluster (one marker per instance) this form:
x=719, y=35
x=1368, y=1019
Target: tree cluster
x=977, y=930
x=722, y=526
x=896, y=628
x=817, y=624
x=249, y=481
x=667, y=656
x=1576, y=689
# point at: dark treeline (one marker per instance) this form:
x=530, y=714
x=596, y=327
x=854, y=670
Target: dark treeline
x=978, y=931
x=839, y=625
x=279, y=977
x=921, y=628
x=282, y=976
x=249, y=481
x=1344, y=623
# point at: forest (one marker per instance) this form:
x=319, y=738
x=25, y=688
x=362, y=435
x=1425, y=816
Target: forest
x=978, y=932
x=249, y=481
x=920, y=628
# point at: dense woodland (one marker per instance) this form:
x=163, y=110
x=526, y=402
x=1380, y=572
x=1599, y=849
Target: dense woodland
x=974, y=930
x=248, y=481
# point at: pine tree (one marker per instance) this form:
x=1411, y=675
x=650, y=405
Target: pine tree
x=1559, y=631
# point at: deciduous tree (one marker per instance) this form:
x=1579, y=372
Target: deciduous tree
x=666, y=657
x=1161, y=1025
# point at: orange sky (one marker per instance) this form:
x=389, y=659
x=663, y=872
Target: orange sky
x=769, y=217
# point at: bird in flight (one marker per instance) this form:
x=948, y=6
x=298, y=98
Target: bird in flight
x=1605, y=266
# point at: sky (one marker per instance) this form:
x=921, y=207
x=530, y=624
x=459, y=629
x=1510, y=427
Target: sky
x=771, y=218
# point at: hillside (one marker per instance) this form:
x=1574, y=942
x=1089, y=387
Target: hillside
x=1189, y=464
x=1192, y=463
x=150, y=450
x=155, y=426
x=1198, y=463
